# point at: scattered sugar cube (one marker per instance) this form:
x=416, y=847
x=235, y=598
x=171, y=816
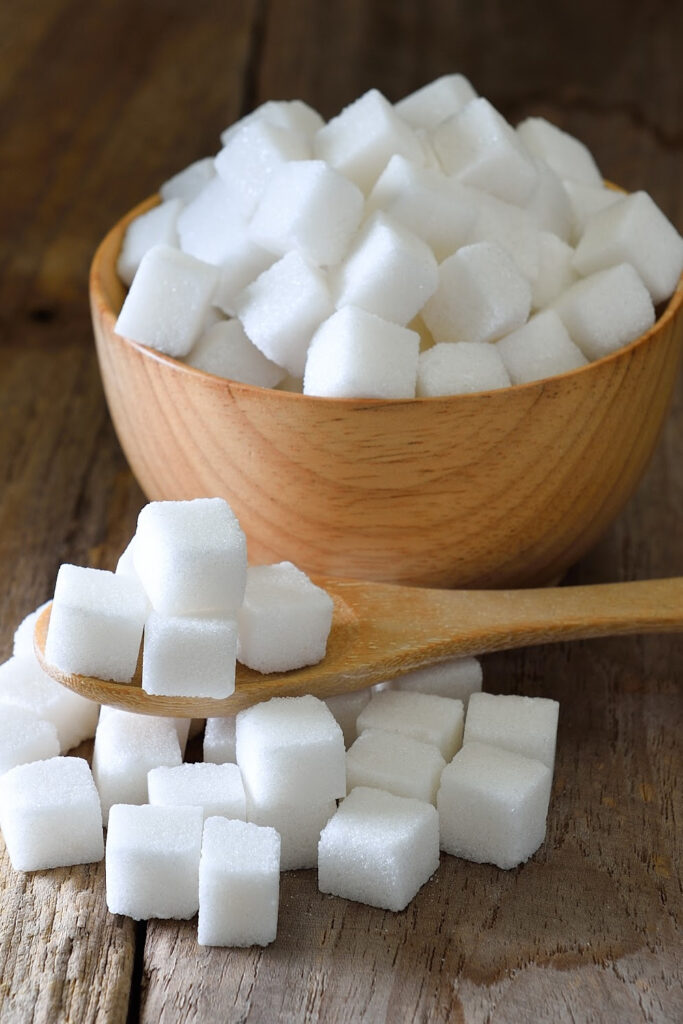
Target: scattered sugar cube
x=378, y=849
x=395, y=763
x=167, y=301
x=435, y=102
x=155, y=227
x=359, y=142
x=568, y=157
x=511, y=228
x=239, y=884
x=126, y=747
x=190, y=181
x=555, y=270
x=459, y=368
x=152, y=861
x=606, y=310
x=435, y=720
x=586, y=200
x=23, y=635
x=389, y=272
x=457, y=678
x=550, y=205
x=493, y=805
x=226, y=351
x=346, y=708
x=282, y=308
x=216, y=788
x=24, y=738
x=299, y=826
x=219, y=740
x=355, y=354
x=291, y=750
x=481, y=296
x=309, y=207
x=524, y=725
x=187, y=656
x=539, y=349
x=634, y=230
x=482, y=149
x=96, y=623
x=191, y=556
x=293, y=115
x=50, y=814
x=284, y=620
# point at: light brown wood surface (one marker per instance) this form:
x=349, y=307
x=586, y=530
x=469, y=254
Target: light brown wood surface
x=98, y=104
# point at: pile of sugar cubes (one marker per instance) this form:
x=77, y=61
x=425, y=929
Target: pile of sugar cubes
x=416, y=249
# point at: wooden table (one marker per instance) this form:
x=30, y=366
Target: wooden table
x=99, y=102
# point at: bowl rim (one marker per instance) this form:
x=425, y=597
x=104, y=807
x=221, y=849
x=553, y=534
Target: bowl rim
x=108, y=314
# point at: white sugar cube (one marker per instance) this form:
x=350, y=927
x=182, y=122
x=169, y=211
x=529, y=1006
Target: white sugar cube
x=245, y=263
x=346, y=708
x=186, y=656
x=435, y=102
x=155, y=227
x=481, y=296
x=568, y=157
x=23, y=634
x=355, y=354
x=541, y=348
x=299, y=826
x=389, y=272
x=309, y=207
x=459, y=368
x=190, y=181
x=633, y=230
x=482, y=149
x=152, y=861
x=216, y=788
x=282, y=308
x=24, y=738
x=126, y=747
x=586, y=200
x=50, y=814
x=524, y=725
x=549, y=204
x=251, y=155
x=219, y=740
x=291, y=750
x=359, y=141
x=493, y=805
x=606, y=310
x=226, y=351
x=284, y=621
x=211, y=227
x=433, y=207
x=96, y=623
x=293, y=115
x=555, y=270
x=425, y=717
x=191, y=556
x=167, y=301
x=378, y=849
x=125, y=565
x=395, y=763
x=511, y=228
x=239, y=884
x=457, y=678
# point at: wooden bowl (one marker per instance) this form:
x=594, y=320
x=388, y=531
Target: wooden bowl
x=496, y=489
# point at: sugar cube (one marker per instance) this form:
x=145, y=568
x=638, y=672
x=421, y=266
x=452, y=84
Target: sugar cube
x=293, y=115
x=226, y=351
x=395, y=763
x=378, y=849
x=239, y=884
x=524, y=725
x=346, y=708
x=24, y=737
x=211, y=227
x=493, y=805
x=586, y=200
x=555, y=270
x=426, y=717
x=568, y=157
x=50, y=814
x=460, y=367
x=23, y=635
x=186, y=656
x=155, y=227
x=549, y=204
x=458, y=678
x=435, y=102
x=219, y=740
x=190, y=181
x=152, y=861
x=511, y=228
x=216, y=788
x=298, y=824
x=539, y=349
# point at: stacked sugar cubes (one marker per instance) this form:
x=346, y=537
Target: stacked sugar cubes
x=416, y=249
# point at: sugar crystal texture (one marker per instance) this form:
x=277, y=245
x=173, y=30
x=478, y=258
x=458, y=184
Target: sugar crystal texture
x=378, y=849
x=191, y=556
x=524, y=725
x=155, y=227
x=423, y=716
x=395, y=763
x=216, y=788
x=346, y=708
x=219, y=740
x=291, y=750
x=555, y=270
x=50, y=814
x=435, y=102
x=190, y=181
x=298, y=824
x=493, y=805
x=211, y=227
x=355, y=354
x=567, y=156
x=460, y=367
x=606, y=310
x=457, y=678
x=539, y=349
x=284, y=621
x=187, y=656
x=96, y=623
x=24, y=737
x=152, y=861
x=167, y=301
x=23, y=634
x=239, y=884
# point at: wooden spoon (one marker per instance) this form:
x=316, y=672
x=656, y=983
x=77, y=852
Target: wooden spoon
x=380, y=631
